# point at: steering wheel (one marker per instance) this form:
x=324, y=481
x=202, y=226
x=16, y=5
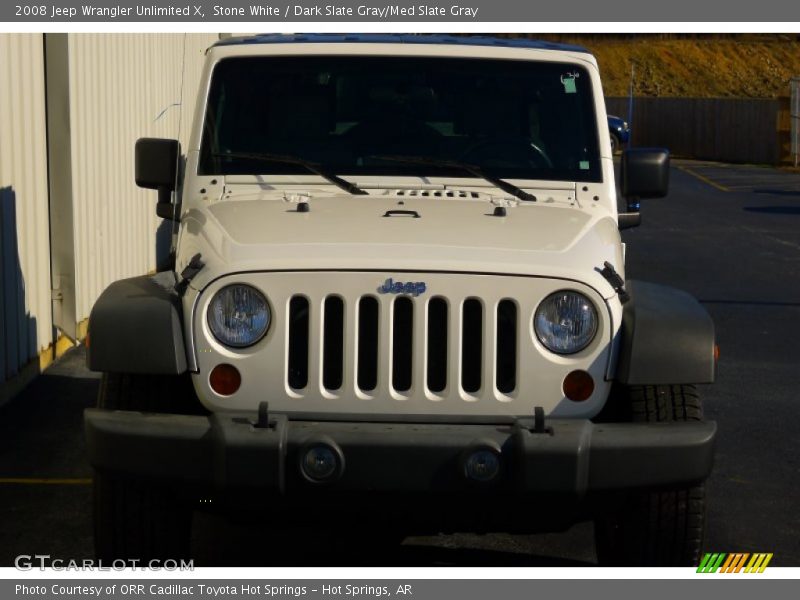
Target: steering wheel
x=507, y=150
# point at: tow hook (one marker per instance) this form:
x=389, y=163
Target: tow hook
x=262, y=422
x=538, y=420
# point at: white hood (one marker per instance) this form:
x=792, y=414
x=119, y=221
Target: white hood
x=550, y=238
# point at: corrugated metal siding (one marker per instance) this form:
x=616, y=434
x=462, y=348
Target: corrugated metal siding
x=119, y=85
x=25, y=306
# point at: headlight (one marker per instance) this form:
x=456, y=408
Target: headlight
x=565, y=322
x=239, y=315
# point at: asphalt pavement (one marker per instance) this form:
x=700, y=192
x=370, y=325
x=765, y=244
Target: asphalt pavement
x=730, y=235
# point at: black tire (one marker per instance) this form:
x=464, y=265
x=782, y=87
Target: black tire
x=664, y=527
x=136, y=519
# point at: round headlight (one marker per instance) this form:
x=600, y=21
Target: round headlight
x=239, y=315
x=565, y=322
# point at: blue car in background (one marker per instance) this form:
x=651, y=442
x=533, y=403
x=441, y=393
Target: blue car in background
x=620, y=133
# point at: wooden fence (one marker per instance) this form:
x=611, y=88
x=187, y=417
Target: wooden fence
x=723, y=129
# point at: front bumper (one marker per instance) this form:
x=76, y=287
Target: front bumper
x=226, y=451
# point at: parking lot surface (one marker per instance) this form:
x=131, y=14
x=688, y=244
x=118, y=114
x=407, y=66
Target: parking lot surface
x=730, y=235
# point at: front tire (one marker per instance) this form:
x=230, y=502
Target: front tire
x=136, y=519
x=664, y=527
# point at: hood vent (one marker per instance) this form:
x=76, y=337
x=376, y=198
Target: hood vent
x=433, y=194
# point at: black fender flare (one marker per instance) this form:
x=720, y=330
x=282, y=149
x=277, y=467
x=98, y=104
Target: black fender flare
x=136, y=326
x=667, y=337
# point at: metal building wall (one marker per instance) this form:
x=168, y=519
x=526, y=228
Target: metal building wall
x=25, y=304
x=122, y=87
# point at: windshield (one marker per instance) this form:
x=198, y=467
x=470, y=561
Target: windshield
x=512, y=119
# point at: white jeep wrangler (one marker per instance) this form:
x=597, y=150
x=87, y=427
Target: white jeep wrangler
x=398, y=293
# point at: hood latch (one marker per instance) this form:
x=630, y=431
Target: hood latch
x=610, y=274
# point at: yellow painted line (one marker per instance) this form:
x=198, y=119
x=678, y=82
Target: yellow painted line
x=54, y=351
x=83, y=329
x=44, y=481
x=703, y=178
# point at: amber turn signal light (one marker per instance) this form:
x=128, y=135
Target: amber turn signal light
x=578, y=386
x=225, y=379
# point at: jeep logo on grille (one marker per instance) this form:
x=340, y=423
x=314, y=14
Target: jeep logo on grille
x=415, y=288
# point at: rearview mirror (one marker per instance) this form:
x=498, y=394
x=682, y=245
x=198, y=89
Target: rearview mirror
x=157, y=169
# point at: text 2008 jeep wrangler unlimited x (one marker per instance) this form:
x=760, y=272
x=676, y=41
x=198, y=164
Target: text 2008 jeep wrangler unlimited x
x=399, y=300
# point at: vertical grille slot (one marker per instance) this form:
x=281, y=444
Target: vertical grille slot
x=402, y=341
x=506, y=366
x=368, y=343
x=333, y=343
x=437, y=344
x=297, y=364
x=471, y=345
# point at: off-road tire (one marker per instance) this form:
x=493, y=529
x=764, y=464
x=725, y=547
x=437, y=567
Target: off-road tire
x=136, y=519
x=663, y=527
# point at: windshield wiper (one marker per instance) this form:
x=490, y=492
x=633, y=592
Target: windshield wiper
x=507, y=187
x=313, y=167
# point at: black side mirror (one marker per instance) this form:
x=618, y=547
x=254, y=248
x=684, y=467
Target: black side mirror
x=644, y=173
x=157, y=169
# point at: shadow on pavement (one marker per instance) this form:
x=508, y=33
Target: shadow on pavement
x=219, y=542
x=45, y=499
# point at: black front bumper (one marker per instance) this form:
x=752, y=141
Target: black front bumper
x=227, y=452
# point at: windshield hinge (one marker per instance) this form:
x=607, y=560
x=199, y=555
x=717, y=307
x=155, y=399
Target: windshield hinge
x=610, y=274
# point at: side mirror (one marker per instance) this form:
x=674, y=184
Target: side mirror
x=644, y=173
x=157, y=169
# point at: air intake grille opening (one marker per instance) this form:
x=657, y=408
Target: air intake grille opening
x=333, y=343
x=471, y=345
x=297, y=363
x=447, y=350
x=402, y=344
x=437, y=344
x=368, y=343
x=506, y=366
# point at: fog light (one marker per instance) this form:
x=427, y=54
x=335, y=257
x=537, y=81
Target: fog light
x=225, y=379
x=482, y=465
x=320, y=463
x=578, y=386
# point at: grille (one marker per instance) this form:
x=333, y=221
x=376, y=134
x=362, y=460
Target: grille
x=341, y=347
x=422, y=344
